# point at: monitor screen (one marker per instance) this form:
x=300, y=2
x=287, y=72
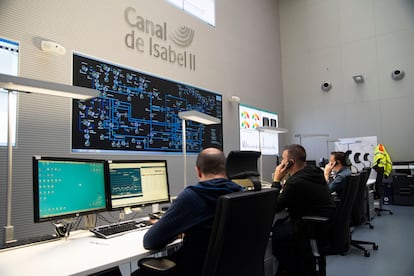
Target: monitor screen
x=250, y=118
x=139, y=112
x=68, y=187
x=137, y=183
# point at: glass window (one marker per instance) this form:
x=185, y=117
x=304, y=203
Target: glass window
x=203, y=9
x=9, y=64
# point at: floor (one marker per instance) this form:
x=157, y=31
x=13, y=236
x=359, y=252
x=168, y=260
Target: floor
x=394, y=235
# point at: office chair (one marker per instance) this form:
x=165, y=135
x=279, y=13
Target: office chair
x=239, y=236
x=379, y=190
x=338, y=239
x=241, y=167
x=360, y=208
x=359, y=213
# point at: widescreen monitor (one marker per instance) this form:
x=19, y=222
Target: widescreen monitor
x=251, y=118
x=68, y=187
x=137, y=183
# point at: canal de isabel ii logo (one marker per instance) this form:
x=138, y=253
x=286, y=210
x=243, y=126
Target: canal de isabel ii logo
x=151, y=38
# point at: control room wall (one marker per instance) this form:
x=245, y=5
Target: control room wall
x=240, y=56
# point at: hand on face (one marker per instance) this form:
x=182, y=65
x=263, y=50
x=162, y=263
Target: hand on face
x=280, y=171
x=330, y=166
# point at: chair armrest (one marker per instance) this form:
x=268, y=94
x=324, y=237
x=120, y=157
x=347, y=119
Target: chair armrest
x=315, y=219
x=157, y=265
x=313, y=224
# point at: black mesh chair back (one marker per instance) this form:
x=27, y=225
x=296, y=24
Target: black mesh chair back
x=340, y=240
x=359, y=209
x=379, y=191
x=240, y=234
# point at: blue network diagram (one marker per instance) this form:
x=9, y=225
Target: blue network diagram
x=139, y=112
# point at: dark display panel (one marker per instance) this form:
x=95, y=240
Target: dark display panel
x=139, y=112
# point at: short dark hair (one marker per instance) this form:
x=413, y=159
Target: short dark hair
x=340, y=156
x=296, y=152
x=211, y=161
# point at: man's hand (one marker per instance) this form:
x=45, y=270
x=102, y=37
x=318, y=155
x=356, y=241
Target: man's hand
x=280, y=172
x=327, y=170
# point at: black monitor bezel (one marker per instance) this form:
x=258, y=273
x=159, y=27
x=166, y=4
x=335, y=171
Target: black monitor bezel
x=36, y=211
x=109, y=196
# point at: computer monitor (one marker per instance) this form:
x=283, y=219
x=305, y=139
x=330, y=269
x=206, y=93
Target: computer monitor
x=242, y=164
x=134, y=183
x=68, y=187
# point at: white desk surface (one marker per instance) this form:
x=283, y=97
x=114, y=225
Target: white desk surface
x=80, y=254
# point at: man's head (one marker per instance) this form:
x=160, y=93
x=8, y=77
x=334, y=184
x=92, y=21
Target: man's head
x=294, y=156
x=211, y=163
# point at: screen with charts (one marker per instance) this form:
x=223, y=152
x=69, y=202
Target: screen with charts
x=137, y=183
x=139, y=112
x=68, y=187
x=250, y=118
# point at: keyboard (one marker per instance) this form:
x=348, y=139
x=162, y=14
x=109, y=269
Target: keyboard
x=28, y=242
x=120, y=228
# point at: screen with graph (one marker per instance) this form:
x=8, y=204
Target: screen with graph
x=250, y=118
x=139, y=112
x=137, y=183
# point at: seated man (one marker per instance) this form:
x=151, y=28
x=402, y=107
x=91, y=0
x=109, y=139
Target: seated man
x=304, y=193
x=336, y=171
x=192, y=214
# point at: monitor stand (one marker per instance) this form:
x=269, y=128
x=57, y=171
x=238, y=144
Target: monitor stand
x=90, y=221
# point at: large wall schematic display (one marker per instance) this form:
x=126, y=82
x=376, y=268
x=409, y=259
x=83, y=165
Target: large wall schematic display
x=138, y=112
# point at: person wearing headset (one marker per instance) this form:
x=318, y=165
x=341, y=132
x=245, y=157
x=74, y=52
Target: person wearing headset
x=304, y=193
x=336, y=171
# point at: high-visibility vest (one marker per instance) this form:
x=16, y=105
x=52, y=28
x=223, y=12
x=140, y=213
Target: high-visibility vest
x=382, y=159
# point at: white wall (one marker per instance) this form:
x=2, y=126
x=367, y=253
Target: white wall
x=240, y=56
x=332, y=40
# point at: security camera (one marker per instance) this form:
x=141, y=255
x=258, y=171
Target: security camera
x=326, y=86
x=52, y=47
x=397, y=74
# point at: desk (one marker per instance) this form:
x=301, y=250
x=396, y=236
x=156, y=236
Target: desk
x=81, y=254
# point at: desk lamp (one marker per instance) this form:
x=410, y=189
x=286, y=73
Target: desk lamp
x=20, y=84
x=266, y=129
x=198, y=117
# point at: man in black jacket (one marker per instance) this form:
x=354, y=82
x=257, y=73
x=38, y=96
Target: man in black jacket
x=303, y=193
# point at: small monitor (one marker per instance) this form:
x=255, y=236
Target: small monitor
x=68, y=187
x=242, y=164
x=137, y=183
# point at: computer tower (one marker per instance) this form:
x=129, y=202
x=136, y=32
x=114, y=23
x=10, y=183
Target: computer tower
x=403, y=189
x=388, y=198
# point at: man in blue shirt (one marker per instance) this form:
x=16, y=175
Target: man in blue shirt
x=336, y=171
x=192, y=214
